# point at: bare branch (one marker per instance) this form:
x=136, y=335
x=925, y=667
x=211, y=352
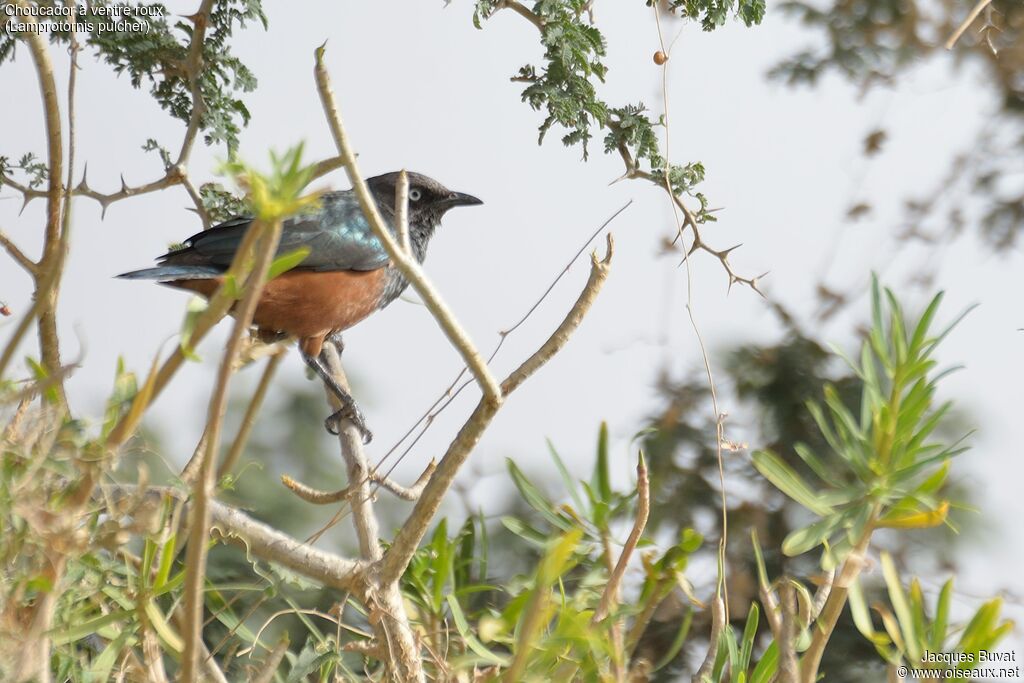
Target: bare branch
x=273, y=660
x=788, y=665
x=269, y=544
x=318, y=497
x=173, y=177
x=193, y=66
x=554, y=344
x=359, y=497
x=268, y=236
x=327, y=165
x=397, y=558
x=717, y=624
x=610, y=596
x=409, y=267
x=833, y=607
x=410, y=493
x=971, y=16
x=402, y=210
x=51, y=260
x=19, y=256
x=249, y=420
x=522, y=11
x=197, y=199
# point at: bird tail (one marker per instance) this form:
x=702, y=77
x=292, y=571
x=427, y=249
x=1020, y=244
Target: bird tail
x=166, y=273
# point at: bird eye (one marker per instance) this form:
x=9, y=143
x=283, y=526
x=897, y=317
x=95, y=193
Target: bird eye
x=415, y=194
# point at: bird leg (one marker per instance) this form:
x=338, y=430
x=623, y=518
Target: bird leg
x=349, y=409
x=335, y=338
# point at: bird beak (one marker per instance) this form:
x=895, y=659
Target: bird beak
x=461, y=199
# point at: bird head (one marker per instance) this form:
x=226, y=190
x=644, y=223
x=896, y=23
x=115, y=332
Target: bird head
x=429, y=200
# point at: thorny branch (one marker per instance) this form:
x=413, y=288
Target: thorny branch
x=633, y=171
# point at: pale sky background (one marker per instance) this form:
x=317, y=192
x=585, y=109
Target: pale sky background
x=421, y=89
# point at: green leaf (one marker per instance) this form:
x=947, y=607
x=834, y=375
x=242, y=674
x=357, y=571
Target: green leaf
x=285, y=262
x=937, y=630
x=600, y=480
x=468, y=637
x=789, y=482
x=570, y=483
x=900, y=604
x=534, y=498
x=765, y=670
x=88, y=627
x=811, y=536
x=195, y=308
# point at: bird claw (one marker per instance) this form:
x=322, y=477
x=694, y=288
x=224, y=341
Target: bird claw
x=333, y=422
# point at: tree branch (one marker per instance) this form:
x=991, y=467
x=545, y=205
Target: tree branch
x=826, y=623
x=318, y=497
x=610, y=596
x=409, y=267
x=19, y=256
x=971, y=16
x=268, y=235
x=249, y=420
x=193, y=65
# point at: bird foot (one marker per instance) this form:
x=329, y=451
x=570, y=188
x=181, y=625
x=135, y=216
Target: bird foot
x=349, y=412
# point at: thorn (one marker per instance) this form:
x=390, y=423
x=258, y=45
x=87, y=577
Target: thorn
x=26, y=198
x=124, y=185
x=104, y=203
x=83, y=186
x=194, y=18
x=725, y=252
x=624, y=176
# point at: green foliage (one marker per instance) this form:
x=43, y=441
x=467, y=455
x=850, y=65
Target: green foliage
x=565, y=87
x=537, y=625
x=712, y=14
x=35, y=170
x=148, y=56
x=910, y=629
x=882, y=469
x=157, y=54
x=277, y=194
x=222, y=204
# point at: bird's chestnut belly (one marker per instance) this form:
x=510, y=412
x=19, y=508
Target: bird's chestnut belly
x=307, y=303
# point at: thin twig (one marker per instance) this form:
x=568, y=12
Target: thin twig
x=402, y=211
x=249, y=420
x=610, y=596
x=199, y=519
x=717, y=624
x=409, y=267
x=272, y=661
x=522, y=11
x=19, y=256
x=193, y=67
x=318, y=497
x=972, y=15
